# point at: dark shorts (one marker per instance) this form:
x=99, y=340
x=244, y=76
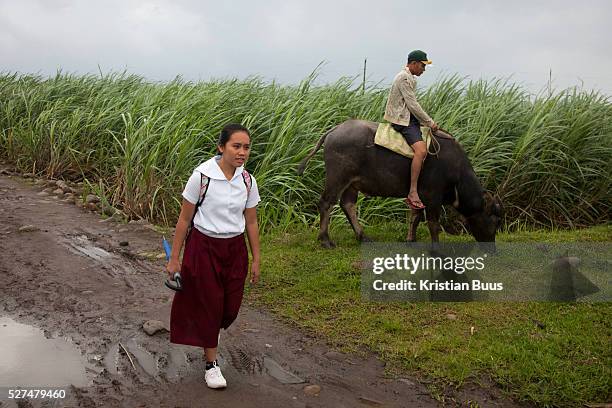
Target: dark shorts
x=412, y=132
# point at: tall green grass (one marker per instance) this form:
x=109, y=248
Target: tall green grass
x=547, y=156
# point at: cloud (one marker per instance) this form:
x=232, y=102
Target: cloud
x=285, y=40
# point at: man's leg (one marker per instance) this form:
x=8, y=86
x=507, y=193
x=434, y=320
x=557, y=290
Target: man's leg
x=412, y=134
x=420, y=152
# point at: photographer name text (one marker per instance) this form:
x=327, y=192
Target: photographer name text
x=435, y=285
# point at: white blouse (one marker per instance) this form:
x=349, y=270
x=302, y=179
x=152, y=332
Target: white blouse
x=221, y=214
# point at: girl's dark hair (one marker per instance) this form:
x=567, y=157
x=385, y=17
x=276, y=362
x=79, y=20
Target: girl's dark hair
x=228, y=130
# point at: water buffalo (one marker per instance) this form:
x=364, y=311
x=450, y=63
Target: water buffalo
x=353, y=164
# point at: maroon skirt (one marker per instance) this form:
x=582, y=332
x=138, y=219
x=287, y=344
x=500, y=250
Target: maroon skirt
x=213, y=274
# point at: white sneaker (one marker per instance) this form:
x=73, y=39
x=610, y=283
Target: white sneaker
x=214, y=378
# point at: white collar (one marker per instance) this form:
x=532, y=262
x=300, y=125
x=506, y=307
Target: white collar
x=211, y=169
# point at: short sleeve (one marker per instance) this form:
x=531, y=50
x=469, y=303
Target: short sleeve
x=253, y=198
x=191, y=192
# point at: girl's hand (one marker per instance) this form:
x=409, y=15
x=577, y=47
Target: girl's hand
x=172, y=267
x=254, y=272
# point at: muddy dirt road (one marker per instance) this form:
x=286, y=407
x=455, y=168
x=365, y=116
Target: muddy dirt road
x=74, y=297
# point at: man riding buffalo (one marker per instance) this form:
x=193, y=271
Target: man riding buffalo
x=406, y=116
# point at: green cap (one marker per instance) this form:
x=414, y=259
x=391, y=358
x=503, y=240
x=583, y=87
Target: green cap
x=418, y=55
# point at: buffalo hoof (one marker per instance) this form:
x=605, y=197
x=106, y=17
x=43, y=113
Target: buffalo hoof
x=365, y=238
x=328, y=244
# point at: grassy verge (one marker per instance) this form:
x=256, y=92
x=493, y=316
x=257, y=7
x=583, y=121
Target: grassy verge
x=565, y=363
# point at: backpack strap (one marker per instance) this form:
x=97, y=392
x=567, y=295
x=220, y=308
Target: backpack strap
x=204, y=182
x=248, y=182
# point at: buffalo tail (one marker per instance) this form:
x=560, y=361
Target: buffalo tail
x=304, y=162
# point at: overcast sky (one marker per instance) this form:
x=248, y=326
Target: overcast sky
x=286, y=40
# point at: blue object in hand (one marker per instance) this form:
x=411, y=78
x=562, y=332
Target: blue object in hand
x=175, y=283
x=166, y=248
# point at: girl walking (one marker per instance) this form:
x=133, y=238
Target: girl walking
x=219, y=203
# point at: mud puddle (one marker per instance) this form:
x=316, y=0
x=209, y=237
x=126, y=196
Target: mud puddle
x=81, y=245
x=110, y=263
x=29, y=359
